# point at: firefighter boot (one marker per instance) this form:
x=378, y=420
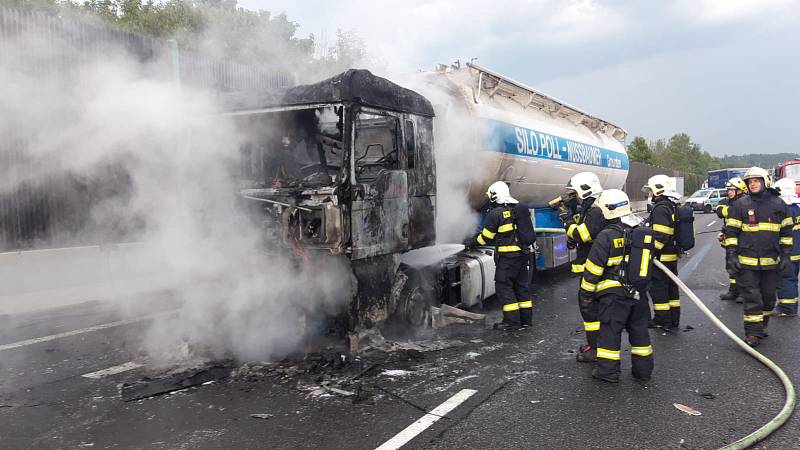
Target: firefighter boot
x=506, y=326
x=752, y=341
x=525, y=315
x=607, y=378
x=731, y=294
x=511, y=318
x=587, y=353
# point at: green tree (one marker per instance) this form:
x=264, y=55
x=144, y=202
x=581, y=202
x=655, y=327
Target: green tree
x=216, y=28
x=680, y=153
x=638, y=150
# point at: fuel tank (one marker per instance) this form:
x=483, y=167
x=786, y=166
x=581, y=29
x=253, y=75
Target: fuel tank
x=511, y=132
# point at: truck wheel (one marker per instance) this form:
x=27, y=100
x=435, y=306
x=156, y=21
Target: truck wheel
x=413, y=302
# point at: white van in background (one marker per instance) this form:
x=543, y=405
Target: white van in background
x=706, y=199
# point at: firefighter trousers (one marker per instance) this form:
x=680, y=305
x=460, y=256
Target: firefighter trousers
x=618, y=313
x=733, y=289
x=757, y=290
x=591, y=324
x=512, y=280
x=787, y=290
x=666, y=298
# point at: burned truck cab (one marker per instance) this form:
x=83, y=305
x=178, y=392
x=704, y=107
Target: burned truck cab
x=343, y=167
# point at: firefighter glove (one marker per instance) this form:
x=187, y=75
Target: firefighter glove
x=564, y=215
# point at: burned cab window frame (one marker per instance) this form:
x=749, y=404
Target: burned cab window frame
x=301, y=139
x=410, y=142
x=370, y=159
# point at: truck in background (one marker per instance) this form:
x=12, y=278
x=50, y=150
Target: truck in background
x=346, y=168
x=718, y=178
x=708, y=196
x=788, y=169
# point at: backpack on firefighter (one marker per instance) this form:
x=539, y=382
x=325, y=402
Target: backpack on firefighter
x=636, y=270
x=684, y=229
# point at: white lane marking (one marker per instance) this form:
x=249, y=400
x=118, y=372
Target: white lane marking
x=81, y=331
x=403, y=437
x=112, y=370
x=712, y=223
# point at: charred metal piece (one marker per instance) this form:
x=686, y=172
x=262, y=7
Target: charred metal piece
x=148, y=387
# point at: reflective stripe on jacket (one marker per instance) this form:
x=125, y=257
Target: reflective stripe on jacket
x=722, y=213
x=499, y=231
x=759, y=230
x=601, y=264
x=583, y=229
x=663, y=222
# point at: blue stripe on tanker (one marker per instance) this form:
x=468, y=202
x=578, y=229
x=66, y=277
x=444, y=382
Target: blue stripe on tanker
x=515, y=140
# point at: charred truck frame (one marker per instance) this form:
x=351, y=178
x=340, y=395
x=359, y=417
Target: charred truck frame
x=346, y=167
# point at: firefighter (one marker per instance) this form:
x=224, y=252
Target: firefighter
x=735, y=188
x=663, y=291
x=513, y=263
x=619, y=306
x=787, y=285
x=582, y=222
x=759, y=233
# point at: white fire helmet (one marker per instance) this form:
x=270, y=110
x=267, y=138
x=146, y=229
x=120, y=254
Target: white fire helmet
x=659, y=185
x=786, y=189
x=585, y=185
x=614, y=203
x=758, y=172
x=498, y=192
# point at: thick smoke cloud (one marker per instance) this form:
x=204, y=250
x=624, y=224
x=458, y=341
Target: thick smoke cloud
x=181, y=163
x=454, y=142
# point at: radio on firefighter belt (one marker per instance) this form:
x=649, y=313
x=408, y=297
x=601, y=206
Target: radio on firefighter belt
x=636, y=269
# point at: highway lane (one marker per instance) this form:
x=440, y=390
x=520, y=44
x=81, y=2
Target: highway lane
x=529, y=391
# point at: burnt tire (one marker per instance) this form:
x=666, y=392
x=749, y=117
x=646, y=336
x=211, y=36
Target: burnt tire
x=414, y=302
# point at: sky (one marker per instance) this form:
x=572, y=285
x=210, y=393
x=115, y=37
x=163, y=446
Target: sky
x=724, y=71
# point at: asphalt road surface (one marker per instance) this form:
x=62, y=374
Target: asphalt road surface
x=466, y=386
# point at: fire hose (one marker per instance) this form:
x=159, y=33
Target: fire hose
x=788, y=407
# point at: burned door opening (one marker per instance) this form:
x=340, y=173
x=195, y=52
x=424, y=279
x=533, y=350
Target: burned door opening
x=343, y=167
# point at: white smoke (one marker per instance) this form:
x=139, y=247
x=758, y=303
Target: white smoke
x=454, y=149
x=182, y=164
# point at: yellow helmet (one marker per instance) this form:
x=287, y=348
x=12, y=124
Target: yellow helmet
x=758, y=172
x=736, y=183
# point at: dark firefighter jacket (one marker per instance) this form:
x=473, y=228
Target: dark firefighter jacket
x=759, y=230
x=722, y=211
x=663, y=222
x=582, y=229
x=724, y=204
x=602, y=263
x=500, y=230
x=794, y=213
